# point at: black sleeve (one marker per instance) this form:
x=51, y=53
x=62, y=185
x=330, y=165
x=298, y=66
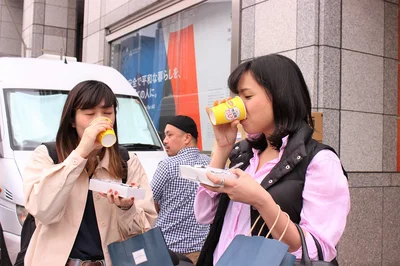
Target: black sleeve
x=28, y=229
x=4, y=258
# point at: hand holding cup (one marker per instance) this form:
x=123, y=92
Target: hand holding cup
x=227, y=111
x=106, y=138
x=93, y=136
x=225, y=129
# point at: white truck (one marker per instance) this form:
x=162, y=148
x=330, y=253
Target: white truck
x=32, y=95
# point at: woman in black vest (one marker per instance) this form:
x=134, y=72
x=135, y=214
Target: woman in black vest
x=283, y=166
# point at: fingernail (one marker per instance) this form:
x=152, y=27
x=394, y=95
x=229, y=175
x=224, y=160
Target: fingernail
x=116, y=193
x=110, y=190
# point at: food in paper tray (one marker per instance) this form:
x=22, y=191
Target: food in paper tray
x=124, y=190
x=198, y=174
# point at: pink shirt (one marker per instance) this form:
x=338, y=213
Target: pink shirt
x=326, y=203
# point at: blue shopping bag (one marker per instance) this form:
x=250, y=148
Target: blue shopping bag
x=146, y=249
x=288, y=260
x=257, y=250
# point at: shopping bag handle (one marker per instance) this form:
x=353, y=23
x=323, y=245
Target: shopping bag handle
x=272, y=227
x=284, y=231
x=305, y=258
x=304, y=245
x=286, y=227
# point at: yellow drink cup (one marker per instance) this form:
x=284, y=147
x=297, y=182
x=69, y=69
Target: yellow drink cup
x=106, y=138
x=228, y=111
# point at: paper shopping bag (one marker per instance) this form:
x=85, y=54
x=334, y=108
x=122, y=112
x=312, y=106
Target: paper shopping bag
x=146, y=249
x=257, y=250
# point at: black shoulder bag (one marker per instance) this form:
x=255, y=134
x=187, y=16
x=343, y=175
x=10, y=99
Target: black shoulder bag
x=305, y=258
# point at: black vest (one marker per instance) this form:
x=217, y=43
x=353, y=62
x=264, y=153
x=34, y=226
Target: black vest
x=285, y=183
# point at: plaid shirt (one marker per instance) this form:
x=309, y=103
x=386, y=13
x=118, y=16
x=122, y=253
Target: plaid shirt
x=175, y=196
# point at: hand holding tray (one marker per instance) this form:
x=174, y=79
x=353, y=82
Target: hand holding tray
x=198, y=174
x=124, y=190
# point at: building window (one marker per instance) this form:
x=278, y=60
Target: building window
x=180, y=65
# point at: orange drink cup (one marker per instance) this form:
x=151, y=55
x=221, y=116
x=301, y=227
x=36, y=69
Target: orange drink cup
x=106, y=138
x=228, y=111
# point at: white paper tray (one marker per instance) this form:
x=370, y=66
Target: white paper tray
x=198, y=174
x=124, y=190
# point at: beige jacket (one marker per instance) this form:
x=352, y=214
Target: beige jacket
x=56, y=196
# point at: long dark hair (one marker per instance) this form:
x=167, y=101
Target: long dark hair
x=284, y=84
x=86, y=95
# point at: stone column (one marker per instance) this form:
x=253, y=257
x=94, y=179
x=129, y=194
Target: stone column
x=348, y=53
x=49, y=26
x=11, y=27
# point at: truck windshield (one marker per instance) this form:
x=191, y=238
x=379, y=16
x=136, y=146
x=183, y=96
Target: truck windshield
x=33, y=117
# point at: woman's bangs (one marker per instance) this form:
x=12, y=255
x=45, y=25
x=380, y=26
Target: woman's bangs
x=92, y=97
x=235, y=76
